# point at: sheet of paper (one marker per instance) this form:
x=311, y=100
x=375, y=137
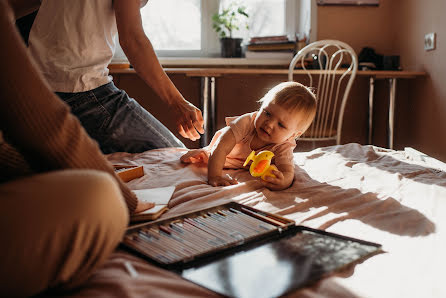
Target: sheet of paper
x=159, y=195
x=153, y=210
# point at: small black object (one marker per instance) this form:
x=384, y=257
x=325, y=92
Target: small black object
x=391, y=62
x=369, y=59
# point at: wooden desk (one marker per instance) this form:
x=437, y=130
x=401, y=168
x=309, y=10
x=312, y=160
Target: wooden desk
x=392, y=76
x=209, y=75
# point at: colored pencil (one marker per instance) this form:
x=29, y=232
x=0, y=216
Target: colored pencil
x=186, y=237
x=265, y=218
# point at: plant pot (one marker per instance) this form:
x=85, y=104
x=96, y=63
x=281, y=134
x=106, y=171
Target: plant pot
x=231, y=47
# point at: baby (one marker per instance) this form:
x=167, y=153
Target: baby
x=286, y=112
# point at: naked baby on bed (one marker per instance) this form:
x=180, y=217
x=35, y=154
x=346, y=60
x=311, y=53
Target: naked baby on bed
x=286, y=112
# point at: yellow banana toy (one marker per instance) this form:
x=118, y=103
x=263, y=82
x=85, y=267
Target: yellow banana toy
x=261, y=164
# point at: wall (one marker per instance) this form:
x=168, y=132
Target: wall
x=397, y=27
x=426, y=115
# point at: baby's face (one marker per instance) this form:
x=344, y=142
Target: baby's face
x=275, y=124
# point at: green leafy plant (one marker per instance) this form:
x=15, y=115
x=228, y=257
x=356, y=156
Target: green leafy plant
x=230, y=19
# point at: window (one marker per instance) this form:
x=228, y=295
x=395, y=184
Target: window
x=183, y=28
x=173, y=24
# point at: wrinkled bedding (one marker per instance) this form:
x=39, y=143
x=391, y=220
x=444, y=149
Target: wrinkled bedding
x=395, y=198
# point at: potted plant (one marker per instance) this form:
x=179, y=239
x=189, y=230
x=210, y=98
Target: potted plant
x=225, y=23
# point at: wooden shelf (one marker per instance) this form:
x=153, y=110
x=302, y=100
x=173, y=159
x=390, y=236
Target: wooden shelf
x=217, y=72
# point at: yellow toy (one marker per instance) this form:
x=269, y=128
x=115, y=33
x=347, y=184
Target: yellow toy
x=261, y=164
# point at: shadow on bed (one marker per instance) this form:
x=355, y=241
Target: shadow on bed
x=385, y=160
x=310, y=202
x=322, y=205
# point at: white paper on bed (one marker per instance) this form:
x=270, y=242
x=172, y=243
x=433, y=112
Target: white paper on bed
x=160, y=196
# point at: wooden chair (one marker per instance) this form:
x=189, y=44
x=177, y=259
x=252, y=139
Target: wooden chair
x=330, y=66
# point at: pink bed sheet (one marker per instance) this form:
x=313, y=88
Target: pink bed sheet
x=390, y=197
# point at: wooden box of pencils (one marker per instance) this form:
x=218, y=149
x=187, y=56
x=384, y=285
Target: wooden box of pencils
x=186, y=239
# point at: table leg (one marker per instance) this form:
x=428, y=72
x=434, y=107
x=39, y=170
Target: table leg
x=212, y=111
x=392, y=95
x=371, y=94
x=207, y=106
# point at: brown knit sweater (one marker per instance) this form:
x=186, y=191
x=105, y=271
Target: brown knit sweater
x=37, y=131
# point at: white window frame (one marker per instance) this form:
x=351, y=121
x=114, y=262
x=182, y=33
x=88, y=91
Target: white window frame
x=298, y=16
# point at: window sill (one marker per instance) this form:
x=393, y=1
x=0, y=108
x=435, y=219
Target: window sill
x=192, y=62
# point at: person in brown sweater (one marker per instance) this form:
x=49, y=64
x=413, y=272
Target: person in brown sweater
x=64, y=210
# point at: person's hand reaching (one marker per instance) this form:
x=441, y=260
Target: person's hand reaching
x=189, y=120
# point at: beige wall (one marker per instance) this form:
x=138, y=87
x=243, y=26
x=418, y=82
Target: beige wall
x=397, y=27
x=427, y=115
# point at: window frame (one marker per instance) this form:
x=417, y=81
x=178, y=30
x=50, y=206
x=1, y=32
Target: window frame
x=296, y=20
x=210, y=43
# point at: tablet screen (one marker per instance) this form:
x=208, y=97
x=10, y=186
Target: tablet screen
x=275, y=268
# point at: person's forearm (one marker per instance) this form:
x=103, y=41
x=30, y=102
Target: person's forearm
x=141, y=55
x=284, y=184
x=224, y=143
x=288, y=179
x=139, y=50
x=216, y=163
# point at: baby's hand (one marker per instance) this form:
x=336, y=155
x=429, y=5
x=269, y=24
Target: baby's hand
x=276, y=183
x=222, y=181
x=195, y=156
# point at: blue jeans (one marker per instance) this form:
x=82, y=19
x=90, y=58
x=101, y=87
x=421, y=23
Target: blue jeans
x=117, y=122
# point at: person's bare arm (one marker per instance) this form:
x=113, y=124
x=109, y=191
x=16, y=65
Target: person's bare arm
x=141, y=55
x=22, y=8
x=225, y=143
x=284, y=178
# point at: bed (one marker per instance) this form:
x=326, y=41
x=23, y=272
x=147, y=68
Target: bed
x=395, y=198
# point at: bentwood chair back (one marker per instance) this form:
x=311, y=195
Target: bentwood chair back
x=330, y=67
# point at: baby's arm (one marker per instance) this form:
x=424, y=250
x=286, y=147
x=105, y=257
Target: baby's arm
x=284, y=178
x=224, y=145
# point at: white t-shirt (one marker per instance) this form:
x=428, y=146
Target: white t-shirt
x=73, y=41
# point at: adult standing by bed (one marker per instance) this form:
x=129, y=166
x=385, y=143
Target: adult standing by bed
x=74, y=41
x=63, y=208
